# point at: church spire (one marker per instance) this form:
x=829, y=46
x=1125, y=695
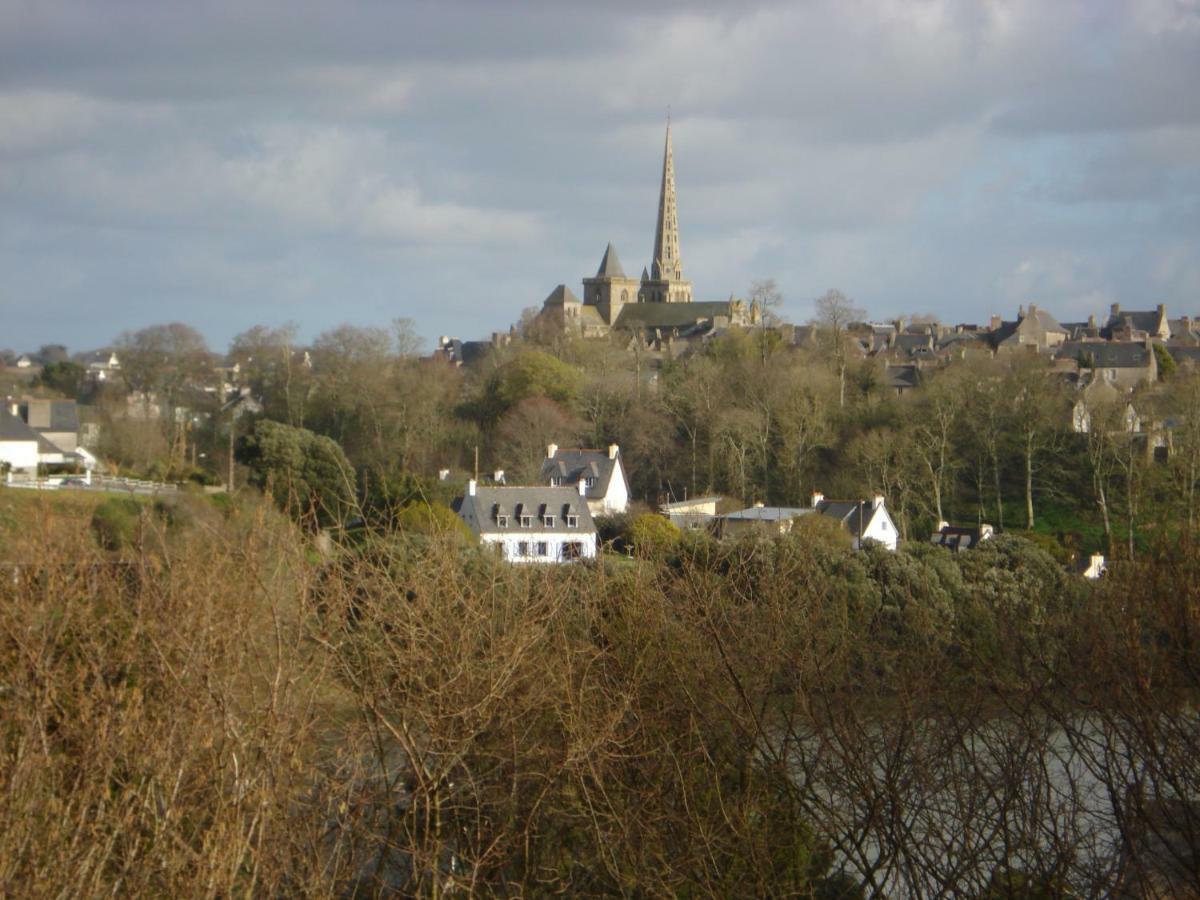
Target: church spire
x=666, y=263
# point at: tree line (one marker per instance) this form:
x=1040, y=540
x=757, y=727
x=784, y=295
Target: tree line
x=986, y=438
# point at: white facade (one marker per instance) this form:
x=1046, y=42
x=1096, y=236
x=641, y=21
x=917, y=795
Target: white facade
x=879, y=528
x=616, y=499
x=542, y=547
x=21, y=456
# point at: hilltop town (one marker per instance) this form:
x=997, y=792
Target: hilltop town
x=713, y=414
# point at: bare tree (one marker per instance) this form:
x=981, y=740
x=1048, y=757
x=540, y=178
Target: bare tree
x=835, y=313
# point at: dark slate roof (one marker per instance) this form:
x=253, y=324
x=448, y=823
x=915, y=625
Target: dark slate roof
x=1141, y=319
x=914, y=344
x=561, y=294
x=63, y=415
x=958, y=537
x=853, y=514
x=12, y=428
x=1108, y=355
x=573, y=465
x=767, y=514
x=901, y=377
x=670, y=315
x=847, y=512
x=610, y=266
x=480, y=511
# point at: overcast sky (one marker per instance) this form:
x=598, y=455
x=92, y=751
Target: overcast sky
x=234, y=163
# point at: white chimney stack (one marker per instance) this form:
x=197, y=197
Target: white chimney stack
x=582, y=483
x=876, y=500
x=551, y=449
x=613, y=450
x=817, y=497
x=471, y=488
x=498, y=476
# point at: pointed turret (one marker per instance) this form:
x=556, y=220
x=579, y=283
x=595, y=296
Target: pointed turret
x=610, y=266
x=665, y=282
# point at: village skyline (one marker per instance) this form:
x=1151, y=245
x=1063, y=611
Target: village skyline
x=453, y=164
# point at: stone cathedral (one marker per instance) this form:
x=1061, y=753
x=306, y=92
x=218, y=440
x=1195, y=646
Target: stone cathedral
x=659, y=306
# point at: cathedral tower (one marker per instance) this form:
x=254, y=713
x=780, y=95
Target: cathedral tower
x=664, y=283
x=611, y=288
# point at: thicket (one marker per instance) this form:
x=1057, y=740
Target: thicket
x=218, y=710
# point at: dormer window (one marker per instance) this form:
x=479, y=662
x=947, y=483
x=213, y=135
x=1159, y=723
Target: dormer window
x=572, y=521
x=590, y=481
x=502, y=521
x=548, y=520
x=526, y=521
x=555, y=481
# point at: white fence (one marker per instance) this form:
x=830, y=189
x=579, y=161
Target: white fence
x=108, y=483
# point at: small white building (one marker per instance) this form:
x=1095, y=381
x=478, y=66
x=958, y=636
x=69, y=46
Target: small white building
x=693, y=514
x=530, y=524
x=597, y=473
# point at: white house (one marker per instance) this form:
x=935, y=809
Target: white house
x=530, y=524
x=19, y=444
x=598, y=473
x=864, y=520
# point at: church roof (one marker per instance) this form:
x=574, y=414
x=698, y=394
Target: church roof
x=610, y=266
x=670, y=315
x=560, y=295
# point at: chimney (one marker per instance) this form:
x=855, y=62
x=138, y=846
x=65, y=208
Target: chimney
x=876, y=500
x=1021, y=311
x=1032, y=309
x=1116, y=310
x=1162, y=310
x=817, y=497
x=471, y=488
x=582, y=485
x=1091, y=320
x=551, y=449
x=613, y=450
x=995, y=322
x=498, y=476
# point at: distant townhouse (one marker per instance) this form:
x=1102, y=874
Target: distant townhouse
x=530, y=524
x=1123, y=365
x=1137, y=325
x=597, y=474
x=1035, y=328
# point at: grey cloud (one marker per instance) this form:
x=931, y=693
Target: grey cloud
x=454, y=161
